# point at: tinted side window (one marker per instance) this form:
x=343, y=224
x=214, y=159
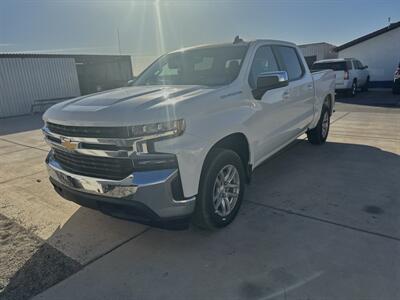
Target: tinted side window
x=349, y=65
x=264, y=61
x=336, y=66
x=291, y=61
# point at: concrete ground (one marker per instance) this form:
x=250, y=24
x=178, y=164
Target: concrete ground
x=316, y=223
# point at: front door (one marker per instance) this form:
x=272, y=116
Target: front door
x=269, y=121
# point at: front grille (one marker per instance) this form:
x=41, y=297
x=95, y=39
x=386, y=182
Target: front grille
x=91, y=132
x=93, y=166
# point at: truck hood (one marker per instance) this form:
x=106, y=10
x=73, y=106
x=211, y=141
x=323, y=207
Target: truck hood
x=125, y=106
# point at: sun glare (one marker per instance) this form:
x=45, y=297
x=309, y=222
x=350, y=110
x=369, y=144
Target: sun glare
x=160, y=34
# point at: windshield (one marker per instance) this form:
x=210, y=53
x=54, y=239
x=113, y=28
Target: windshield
x=336, y=66
x=204, y=66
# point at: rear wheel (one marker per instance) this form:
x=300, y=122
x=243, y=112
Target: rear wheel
x=366, y=85
x=319, y=134
x=221, y=190
x=396, y=87
x=353, y=90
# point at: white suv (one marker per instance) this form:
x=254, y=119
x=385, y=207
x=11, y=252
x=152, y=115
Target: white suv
x=350, y=73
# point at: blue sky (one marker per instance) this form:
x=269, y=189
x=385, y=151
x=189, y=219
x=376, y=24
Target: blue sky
x=149, y=27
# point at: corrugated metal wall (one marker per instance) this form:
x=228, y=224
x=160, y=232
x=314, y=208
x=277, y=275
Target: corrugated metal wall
x=24, y=80
x=321, y=51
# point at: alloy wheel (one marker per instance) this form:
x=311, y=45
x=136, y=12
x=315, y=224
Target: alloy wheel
x=325, y=124
x=354, y=89
x=226, y=190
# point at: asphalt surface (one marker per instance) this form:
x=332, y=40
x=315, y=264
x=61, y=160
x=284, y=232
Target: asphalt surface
x=316, y=223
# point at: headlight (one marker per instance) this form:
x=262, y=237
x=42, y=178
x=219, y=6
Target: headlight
x=162, y=129
x=151, y=133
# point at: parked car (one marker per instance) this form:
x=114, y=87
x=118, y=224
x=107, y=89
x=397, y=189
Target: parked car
x=350, y=74
x=183, y=141
x=396, y=81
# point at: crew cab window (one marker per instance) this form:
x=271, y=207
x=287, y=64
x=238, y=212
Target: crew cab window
x=291, y=62
x=264, y=61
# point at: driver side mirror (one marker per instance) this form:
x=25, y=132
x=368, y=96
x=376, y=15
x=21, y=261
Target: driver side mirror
x=269, y=81
x=365, y=67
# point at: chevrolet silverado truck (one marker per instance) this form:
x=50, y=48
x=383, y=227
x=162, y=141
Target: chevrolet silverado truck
x=181, y=142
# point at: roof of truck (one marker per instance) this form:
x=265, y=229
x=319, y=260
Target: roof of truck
x=332, y=60
x=243, y=43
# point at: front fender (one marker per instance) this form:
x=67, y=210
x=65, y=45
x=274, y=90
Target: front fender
x=202, y=133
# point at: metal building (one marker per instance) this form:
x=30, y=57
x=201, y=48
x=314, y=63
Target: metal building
x=379, y=50
x=32, y=82
x=317, y=51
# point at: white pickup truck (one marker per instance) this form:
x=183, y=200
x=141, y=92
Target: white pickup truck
x=182, y=141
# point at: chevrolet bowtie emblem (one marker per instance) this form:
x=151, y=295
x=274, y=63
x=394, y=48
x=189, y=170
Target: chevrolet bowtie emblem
x=68, y=144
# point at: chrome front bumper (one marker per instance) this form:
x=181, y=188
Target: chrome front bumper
x=153, y=189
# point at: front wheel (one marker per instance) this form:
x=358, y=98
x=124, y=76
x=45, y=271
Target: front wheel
x=366, y=86
x=319, y=134
x=396, y=88
x=221, y=190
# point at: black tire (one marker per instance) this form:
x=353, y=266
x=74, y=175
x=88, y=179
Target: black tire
x=396, y=88
x=353, y=90
x=366, y=86
x=317, y=135
x=205, y=215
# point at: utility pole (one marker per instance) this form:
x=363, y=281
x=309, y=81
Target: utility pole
x=119, y=42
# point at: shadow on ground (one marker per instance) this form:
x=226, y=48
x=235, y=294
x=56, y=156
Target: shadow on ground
x=354, y=186
x=42, y=265
x=371, y=98
x=20, y=124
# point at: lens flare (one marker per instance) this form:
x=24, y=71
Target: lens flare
x=160, y=34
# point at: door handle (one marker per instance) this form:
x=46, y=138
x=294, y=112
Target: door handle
x=310, y=86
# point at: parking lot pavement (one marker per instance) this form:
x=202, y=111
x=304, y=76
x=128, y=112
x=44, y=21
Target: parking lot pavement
x=317, y=223
x=45, y=224
x=265, y=254
x=374, y=101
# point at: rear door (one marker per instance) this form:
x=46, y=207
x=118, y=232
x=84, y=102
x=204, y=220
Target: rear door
x=300, y=99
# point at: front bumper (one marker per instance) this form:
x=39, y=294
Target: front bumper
x=145, y=196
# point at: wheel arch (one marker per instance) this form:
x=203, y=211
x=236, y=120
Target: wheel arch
x=329, y=100
x=238, y=143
